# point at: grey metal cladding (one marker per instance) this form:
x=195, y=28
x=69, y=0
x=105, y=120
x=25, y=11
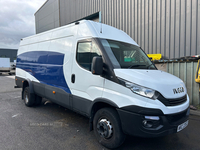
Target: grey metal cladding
x=186, y=72
x=169, y=27
x=47, y=17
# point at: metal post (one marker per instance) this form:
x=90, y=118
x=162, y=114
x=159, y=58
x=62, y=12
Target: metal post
x=192, y=80
x=179, y=69
x=185, y=74
x=100, y=17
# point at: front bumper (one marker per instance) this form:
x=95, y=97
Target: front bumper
x=133, y=123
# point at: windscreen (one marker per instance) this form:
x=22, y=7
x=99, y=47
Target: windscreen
x=124, y=55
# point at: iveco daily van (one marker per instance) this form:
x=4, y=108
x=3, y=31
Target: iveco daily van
x=100, y=72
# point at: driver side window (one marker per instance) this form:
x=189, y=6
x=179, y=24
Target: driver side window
x=85, y=53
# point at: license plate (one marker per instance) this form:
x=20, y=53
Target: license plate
x=182, y=126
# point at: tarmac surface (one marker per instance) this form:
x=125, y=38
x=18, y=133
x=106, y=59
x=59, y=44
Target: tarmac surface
x=51, y=126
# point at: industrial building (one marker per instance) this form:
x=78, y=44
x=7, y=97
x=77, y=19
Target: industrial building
x=169, y=27
x=9, y=53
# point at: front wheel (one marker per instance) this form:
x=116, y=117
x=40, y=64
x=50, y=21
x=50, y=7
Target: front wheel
x=107, y=128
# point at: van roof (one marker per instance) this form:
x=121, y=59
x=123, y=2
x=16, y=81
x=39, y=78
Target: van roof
x=84, y=29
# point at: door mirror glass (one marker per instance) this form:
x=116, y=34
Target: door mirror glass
x=97, y=65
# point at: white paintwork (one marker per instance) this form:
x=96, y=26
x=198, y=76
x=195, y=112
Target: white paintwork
x=89, y=86
x=23, y=74
x=154, y=79
x=123, y=96
x=86, y=85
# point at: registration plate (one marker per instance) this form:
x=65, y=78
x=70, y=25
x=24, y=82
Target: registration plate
x=182, y=126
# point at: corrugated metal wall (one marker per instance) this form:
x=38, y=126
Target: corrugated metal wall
x=47, y=17
x=186, y=72
x=169, y=27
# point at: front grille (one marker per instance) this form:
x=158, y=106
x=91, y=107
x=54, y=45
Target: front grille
x=172, y=102
x=176, y=117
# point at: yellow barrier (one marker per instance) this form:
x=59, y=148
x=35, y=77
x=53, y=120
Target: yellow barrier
x=197, y=74
x=155, y=56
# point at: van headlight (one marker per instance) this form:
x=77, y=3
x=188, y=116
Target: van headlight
x=147, y=92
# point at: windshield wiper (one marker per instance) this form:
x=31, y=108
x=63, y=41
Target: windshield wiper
x=149, y=66
x=135, y=66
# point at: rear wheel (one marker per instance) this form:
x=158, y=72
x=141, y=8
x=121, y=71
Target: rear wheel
x=29, y=99
x=107, y=128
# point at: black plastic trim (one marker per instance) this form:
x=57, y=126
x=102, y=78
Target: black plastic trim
x=31, y=89
x=102, y=100
x=18, y=81
x=76, y=23
x=132, y=124
x=108, y=69
x=172, y=102
x=142, y=110
x=75, y=103
x=81, y=105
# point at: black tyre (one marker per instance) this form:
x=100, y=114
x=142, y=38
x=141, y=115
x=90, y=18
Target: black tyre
x=29, y=99
x=107, y=128
x=38, y=100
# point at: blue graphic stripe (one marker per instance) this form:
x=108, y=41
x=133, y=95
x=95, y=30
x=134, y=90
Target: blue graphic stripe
x=47, y=67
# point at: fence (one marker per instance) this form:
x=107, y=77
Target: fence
x=186, y=72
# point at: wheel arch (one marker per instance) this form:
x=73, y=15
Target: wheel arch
x=27, y=83
x=98, y=104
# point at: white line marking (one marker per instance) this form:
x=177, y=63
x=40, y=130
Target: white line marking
x=15, y=115
x=17, y=97
x=12, y=77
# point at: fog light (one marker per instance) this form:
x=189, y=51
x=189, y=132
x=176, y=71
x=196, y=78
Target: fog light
x=147, y=124
x=152, y=117
x=151, y=121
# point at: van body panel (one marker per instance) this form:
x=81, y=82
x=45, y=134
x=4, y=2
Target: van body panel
x=122, y=95
x=45, y=66
x=163, y=82
x=25, y=75
x=108, y=32
x=86, y=84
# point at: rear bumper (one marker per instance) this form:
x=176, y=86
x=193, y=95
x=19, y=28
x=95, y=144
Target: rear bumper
x=133, y=123
x=4, y=69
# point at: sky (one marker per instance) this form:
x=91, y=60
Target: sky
x=17, y=21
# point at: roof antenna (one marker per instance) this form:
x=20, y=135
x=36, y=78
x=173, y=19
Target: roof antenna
x=100, y=21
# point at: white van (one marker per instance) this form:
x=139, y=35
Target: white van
x=102, y=73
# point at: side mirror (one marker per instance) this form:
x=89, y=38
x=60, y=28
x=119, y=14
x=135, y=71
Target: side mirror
x=97, y=65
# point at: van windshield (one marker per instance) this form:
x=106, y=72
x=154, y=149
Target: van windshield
x=124, y=55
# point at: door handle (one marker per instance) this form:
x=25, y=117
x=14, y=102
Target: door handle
x=73, y=78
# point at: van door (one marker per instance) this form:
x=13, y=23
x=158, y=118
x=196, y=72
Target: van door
x=85, y=86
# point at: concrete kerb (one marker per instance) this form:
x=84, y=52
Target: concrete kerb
x=195, y=112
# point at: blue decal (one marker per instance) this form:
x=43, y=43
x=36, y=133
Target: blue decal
x=47, y=67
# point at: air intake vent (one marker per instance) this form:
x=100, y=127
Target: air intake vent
x=172, y=102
